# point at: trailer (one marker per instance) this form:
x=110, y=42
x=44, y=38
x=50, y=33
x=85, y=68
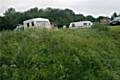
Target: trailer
x=35, y=23
x=80, y=24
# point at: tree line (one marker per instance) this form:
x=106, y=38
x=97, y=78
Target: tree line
x=57, y=16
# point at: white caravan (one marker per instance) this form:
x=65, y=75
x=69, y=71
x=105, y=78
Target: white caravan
x=80, y=24
x=35, y=23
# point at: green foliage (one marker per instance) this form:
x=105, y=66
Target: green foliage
x=11, y=20
x=101, y=27
x=90, y=18
x=10, y=11
x=59, y=55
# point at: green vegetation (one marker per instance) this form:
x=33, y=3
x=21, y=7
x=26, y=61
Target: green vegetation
x=85, y=54
x=101, y=27
x=115, y=28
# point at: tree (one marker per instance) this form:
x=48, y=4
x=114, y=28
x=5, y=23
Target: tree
x=11, y=19
x=101, y=17
x=90, y=18
x=78, y=17
x=114, y=15
x=1, y=23
x=10, y=11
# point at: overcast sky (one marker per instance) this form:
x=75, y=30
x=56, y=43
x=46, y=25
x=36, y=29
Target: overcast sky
x=92, y=7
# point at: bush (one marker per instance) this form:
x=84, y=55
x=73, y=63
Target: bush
x=100, y=27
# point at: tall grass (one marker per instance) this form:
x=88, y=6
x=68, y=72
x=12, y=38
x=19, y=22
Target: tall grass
x=115, y=29
x=59, y=55
x=101, y=27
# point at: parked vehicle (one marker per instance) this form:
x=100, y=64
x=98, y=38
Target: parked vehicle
x=116, y=21
x=80, y=24
x=35, y=23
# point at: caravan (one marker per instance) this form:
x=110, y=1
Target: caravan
x=35, y=23
x=80, y=24
x=115, y=21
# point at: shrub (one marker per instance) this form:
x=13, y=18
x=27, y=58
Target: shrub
x=100, y=27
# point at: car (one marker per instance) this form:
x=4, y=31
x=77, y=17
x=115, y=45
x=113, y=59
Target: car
x=116, y=21
x=113, y=23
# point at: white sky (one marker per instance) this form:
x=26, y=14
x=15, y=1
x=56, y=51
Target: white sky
x=92, y=7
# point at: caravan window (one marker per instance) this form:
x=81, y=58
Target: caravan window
x=89, y=23
x=28, y=25
x=73, y=25
x=32, y=23
x=85, y=24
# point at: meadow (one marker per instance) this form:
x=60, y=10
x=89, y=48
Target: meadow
x=82, y=54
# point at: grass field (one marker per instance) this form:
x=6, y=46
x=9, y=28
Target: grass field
x=115, y=28
x=84, y=54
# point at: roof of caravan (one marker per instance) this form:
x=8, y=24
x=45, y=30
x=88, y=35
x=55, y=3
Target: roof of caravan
x=36, y=19
x=82, y=22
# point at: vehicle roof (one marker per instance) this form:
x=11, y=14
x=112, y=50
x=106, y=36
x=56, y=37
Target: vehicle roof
x=82, y=22
x=36, y=19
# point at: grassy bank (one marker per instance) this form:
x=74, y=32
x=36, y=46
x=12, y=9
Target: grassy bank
x=84, y=54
